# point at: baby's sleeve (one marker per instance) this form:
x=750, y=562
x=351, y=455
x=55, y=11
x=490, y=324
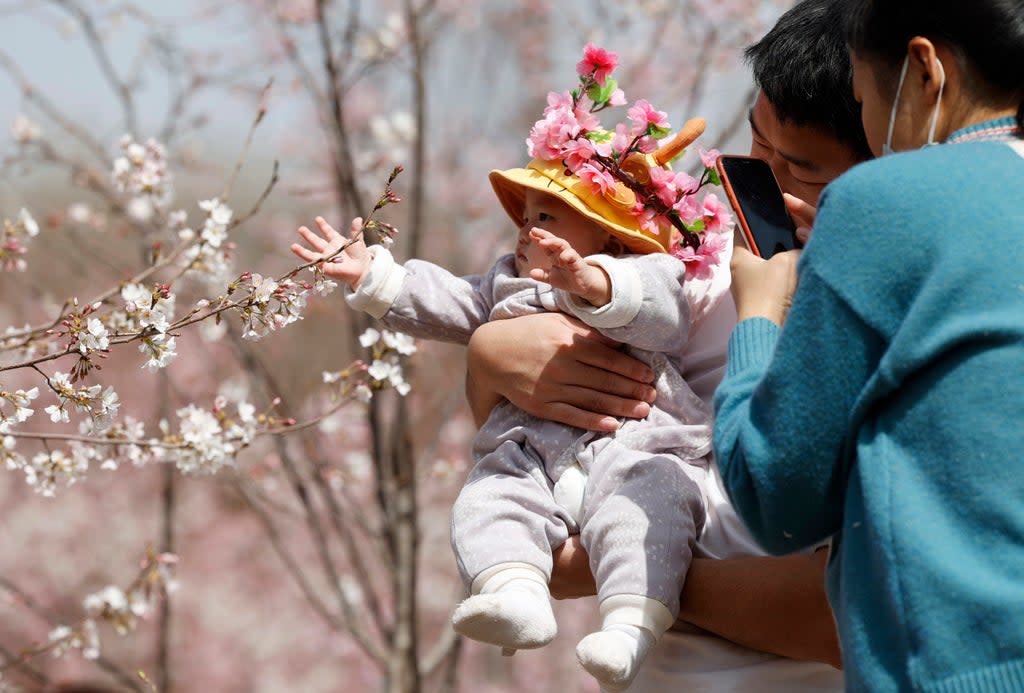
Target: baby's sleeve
x=423, y=299
x=648, y=308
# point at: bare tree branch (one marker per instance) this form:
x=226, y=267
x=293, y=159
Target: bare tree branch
x=120, y=87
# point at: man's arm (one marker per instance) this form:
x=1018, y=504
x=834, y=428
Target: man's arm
x=554, y=367
x=769, y=604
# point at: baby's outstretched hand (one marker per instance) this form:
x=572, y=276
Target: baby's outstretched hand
x=350, y=265
x=569, y=271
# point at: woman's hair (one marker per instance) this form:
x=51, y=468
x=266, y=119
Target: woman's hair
x=988, y=36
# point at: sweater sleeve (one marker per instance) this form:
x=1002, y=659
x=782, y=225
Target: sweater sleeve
x=422, y=299
x=783, y=416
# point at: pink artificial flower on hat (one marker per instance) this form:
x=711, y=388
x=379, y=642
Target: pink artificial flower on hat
x=664, y=183
x=688, y=210
x=709, y=156
x=701, y=262
x=599, y=179
x=597, y=62
x=578, y=152
x=642, y=114
x=717, y=217
x=621, y=140
x=549, y=135
x=650, y=220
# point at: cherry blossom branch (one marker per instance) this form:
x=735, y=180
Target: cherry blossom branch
x=28, y=602
x=11, y=660
x=95, y=440
x=100, y=298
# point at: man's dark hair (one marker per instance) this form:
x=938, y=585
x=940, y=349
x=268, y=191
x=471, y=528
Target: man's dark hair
x=803, y=68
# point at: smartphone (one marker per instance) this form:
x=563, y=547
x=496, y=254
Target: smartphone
x=764, y=223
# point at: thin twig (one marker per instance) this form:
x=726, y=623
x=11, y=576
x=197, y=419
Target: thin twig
x=120, y=87
x=339, y=129
x=291, y=565
x=11, y=660
x=261, y=111
x=50, y=110
x=238, y=221
x=703, y=72
x=319, y=537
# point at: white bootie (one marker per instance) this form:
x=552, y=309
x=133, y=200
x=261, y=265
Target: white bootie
x=513, y=611
x=613, y=654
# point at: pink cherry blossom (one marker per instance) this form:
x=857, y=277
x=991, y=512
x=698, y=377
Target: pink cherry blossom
x=558, y=126
x=597, y=62
x=663, y=182
x=578, y=152
x=688, y=209
x=709, y=156
x=671, y=185
x=558, y=101
x=586, y=119
x=642, y=114
x=599, y=179
x=717, y=217
x=701, y=262
x=650, y=220
x=621, y=140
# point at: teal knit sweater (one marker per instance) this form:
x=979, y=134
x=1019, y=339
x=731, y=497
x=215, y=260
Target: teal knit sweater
x=889, y=415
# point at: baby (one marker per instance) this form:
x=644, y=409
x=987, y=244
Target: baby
x=634, y=496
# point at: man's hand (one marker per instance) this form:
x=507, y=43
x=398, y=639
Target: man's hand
x=570, y=575
x=769, y=604
x=557, y=368
x=803, y=214
x=349, y=265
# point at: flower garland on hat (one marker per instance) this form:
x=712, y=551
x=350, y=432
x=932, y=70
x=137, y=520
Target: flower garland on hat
x=626, y=165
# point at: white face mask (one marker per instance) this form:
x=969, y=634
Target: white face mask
x=887, y=147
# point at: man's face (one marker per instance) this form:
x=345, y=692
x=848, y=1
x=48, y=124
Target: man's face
x=804, y=159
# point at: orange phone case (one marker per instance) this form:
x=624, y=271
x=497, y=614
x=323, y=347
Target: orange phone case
x=746, y=236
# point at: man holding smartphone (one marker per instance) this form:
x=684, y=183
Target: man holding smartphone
x=753, y=623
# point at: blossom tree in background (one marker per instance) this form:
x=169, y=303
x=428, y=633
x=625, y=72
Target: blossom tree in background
x=160, y=392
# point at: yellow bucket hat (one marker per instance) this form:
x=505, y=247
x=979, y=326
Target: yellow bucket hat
x=612, y=210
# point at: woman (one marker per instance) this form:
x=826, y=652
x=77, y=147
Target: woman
x=887, y=414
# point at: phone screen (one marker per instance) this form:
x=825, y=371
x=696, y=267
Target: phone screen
x=751, y=186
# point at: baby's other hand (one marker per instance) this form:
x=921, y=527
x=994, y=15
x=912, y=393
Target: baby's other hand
x=349, y=257
x=569, y=271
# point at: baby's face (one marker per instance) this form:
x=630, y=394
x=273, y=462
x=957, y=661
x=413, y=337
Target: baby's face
x=557, y=218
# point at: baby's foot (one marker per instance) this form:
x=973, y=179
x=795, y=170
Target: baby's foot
x=512, y=618
x=613, y=655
